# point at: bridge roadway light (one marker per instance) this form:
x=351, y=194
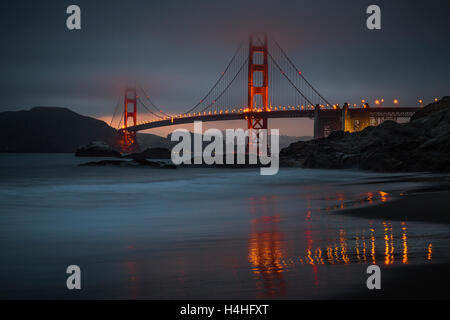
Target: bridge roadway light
x=436, y=99
x=395, y=101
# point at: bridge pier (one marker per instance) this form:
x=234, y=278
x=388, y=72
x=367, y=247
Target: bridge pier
x=127, y=142
x=326, y=121
x=356, y=119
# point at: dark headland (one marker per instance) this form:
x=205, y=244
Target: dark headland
x=59, y=130
x=50, y=130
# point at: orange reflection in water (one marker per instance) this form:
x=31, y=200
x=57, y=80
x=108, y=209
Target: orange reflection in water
x=364, y=249
x=389, y=243
x=372, y=241
x=430, y=251
x=366, y=198
x=267, y=252
x=266, y=248
x=369, y=197
x=405, y=243
x=343, y=243
x=382, y=196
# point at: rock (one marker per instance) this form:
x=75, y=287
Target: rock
x=151, y=153
x=97, y=149
x=154, y=164
x=104, y=163
x=442, y=104
x=423, y=144
x=127, y=163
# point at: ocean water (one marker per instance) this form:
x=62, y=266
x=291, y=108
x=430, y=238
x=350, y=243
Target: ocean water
x=143, y=233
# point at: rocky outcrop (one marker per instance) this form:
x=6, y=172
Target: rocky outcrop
x=151, y=153
x=423, y=144
x=127, y=163
x=442, y=104
x=97, y=149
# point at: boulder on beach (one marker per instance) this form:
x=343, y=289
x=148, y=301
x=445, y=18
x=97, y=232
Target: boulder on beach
x=97, y=149
x=423, y=144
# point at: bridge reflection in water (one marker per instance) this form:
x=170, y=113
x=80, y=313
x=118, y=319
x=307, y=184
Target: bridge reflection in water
x=266, y=253
x=272, y=256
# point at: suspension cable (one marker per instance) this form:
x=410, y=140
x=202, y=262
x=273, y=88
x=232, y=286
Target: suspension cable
x=283, y=73
x=146, y=108
x=151, y=102
x=226, y=88
x=217, y=82
x=115, y=110
x=298, y=71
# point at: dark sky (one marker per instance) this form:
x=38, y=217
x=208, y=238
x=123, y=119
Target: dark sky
x=177, y=49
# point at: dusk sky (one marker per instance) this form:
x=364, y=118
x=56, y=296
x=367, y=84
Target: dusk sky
x=177, y=49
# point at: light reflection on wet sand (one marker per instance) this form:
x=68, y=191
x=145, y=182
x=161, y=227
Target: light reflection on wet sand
x=267, y=245
x=266, y=248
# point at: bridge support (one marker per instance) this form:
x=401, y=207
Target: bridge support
x=326, y=121
x=127, y=140
x=356, y=119
x=262, y=89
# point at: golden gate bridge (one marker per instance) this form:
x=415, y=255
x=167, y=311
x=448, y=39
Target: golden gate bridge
x=259, y=82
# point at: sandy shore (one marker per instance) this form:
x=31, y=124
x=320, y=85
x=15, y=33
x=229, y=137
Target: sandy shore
x=425, y=207
x=426, y=281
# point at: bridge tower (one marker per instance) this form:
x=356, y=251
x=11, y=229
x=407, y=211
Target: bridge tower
x=127, y=139
x=262, y=90
x=130, y=98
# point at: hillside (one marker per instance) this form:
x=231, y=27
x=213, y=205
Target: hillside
x=54, y=130
x=148, y=140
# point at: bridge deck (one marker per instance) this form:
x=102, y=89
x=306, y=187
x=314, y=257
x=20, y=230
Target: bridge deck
x=308, y=113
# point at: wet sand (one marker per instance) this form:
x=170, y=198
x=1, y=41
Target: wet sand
x=424, y=207
x=424, y=282
x=428, y=281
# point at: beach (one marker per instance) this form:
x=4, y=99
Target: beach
x=426, y=206
x=428, y=281
x=210, y=233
